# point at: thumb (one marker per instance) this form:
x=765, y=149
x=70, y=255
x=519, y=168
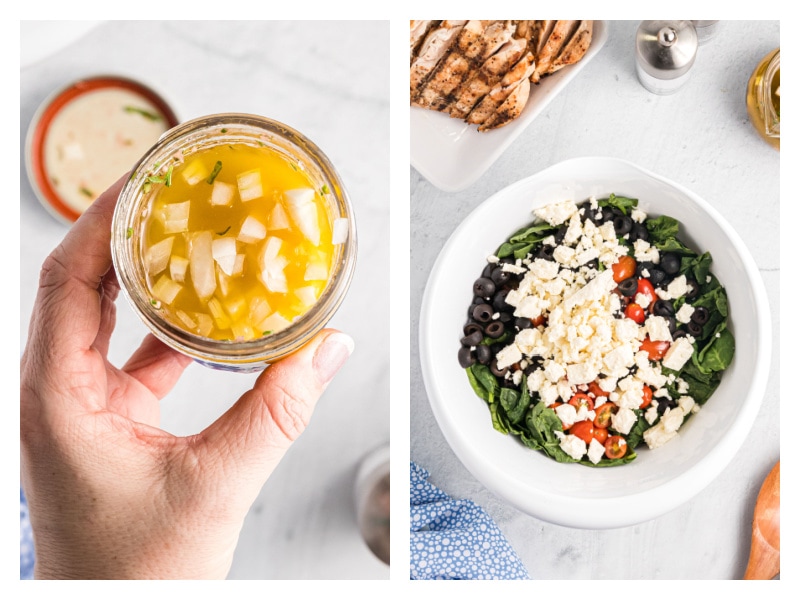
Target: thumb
x=247, y=442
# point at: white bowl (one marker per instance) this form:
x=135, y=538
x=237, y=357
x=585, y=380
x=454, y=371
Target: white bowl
x=657, y=480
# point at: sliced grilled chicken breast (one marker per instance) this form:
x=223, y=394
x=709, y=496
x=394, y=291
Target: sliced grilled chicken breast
x=575, y=47
x=491, y=102
x=476, y=41
x=434, y=48
x=419, y=29
x=562, y=32
x=486, y=77
x=511, y=107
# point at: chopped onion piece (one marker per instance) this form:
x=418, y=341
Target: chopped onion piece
x=278, y=218
x=259, y=309
x=218, y=313
x=204, y=324
x=243, y=331
x=303, y=210
x=179, y=226
x=275, y=283
x=195, y=172
x=316, y=271
x=157, y=256
x=201, y=264
x=177, y=268
x=165, y=289
x=273, y=323
x=186, y=319
x=224, y=252
x=249, y=184
x=340, y=230
x=252, y=231
x=238, y=266
x=224, y=282
x=307, y=295
x=222, y=194
x=235, y=308
x=177, y=211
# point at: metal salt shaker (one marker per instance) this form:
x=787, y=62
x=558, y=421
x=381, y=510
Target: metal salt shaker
x=665, y=53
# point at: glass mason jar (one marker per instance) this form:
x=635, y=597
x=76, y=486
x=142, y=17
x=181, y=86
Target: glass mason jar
x=130, y=218
x=764, y=100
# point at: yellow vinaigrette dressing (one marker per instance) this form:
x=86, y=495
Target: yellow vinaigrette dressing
x=237, y=242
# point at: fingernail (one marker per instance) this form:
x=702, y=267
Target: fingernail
x=331, y=355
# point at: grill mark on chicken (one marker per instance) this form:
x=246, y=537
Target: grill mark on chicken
x=432, y=51
x=483, y=71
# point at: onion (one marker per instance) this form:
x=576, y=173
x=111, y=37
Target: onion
x=157, y=256
x=204, y=324
x=307, y=295
x=165, y=289
x=303, y=210
x=340, y=230
x=177, y=268
x=195, y=172
x=273, y=323
x=278, y=219
x=201, y=264
x=222, y=194
x=249, y=184
x=224, y=252
x=316, y=271
x=252, y=231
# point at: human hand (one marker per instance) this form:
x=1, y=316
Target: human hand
x=111, y=495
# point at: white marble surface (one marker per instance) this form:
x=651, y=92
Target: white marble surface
x=331, y=82
x=701, y=138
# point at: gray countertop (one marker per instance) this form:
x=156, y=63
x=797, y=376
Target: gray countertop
x=701, y=138
x=329, y=80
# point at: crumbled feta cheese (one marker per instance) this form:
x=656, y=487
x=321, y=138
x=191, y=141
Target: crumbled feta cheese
x=567, y=413
x=508, y=356
x=684, y=314
x=657, y=436
x=596, y=451
x=658, y=329
x=572, y=445
x=623, y=420
x=557, y=213
x=679, y=352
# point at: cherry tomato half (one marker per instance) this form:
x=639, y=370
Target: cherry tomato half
x=635, y=312
x=616, y=446
x=624, y=268
x=647, y=396
x=600, y=434
x=655, y=350
x=596, y=391
x=602, y=416
x=584, y=430
x=646, y=288
x=581, y=399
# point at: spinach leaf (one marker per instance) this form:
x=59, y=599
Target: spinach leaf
x=718, y=354
x=661, y=229
x=514, y=404
x=483, y=382
x=543, y=422
x=696, y=267
x=620, y=202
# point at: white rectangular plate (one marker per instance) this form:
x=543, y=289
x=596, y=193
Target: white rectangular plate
x=452, y=154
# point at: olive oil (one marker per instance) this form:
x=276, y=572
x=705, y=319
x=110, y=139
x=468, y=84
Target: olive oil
x=237, y=243
x=763, y=98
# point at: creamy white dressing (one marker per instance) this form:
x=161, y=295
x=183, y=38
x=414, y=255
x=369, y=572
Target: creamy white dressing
x=96, y=138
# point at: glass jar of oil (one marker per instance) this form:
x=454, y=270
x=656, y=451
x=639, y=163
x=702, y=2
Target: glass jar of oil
x=764, y=98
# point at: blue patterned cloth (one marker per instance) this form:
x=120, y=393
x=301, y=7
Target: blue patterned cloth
x=25, y=539
x=456, y=539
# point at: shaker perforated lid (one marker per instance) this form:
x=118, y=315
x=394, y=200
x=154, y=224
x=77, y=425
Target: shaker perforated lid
x=666, y=49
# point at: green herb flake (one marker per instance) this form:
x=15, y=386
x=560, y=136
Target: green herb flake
x=214, y=172
x=224, y=232
x=150, y=116
x=155, y=303
x=268, y=332
x=168, y=178
x=87, y=192
x=129, y=233
x=223, y=130
x=325, y=189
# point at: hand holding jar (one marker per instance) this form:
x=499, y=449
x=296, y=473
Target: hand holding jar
x=110, y=494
